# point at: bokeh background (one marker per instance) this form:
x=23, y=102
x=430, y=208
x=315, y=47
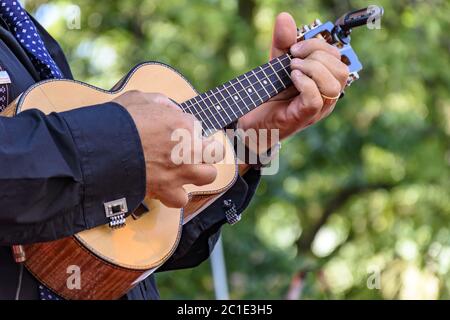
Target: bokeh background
x=361, y=206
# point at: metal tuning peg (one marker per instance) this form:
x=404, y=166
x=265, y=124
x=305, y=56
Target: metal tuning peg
x=338, y=34
x=301, y=32
x=357, y=18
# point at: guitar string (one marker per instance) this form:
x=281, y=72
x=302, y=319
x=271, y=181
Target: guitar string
x=236, y=104
x=213, y=129
x=254, y=105
x=228, y=106
x=280, y=60
x=261, y=69
x=195, y=104
x=213, y=111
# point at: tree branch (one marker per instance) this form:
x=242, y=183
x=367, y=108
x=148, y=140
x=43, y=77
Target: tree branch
x=337, y=202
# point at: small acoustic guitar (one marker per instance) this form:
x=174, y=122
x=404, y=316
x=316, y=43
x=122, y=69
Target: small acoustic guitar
x=112, y=261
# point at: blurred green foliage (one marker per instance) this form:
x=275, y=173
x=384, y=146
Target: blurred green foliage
x=360, y=195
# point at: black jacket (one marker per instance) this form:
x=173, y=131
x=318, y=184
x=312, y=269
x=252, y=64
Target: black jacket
x=55, y=175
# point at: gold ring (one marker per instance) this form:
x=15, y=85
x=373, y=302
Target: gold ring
x=330, y=100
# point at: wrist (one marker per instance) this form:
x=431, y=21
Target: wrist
x=257, y=138
x=253, y=149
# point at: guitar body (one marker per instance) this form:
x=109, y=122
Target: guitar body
x=111, y=261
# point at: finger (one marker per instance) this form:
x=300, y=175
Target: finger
x=213, y=151
x=162, y=100
x=326, y=82
x=198, y=174
x=284, y=34
x=175, y=198
x=304, y=48
x=311, y=101
x=337, y=68
x=327, y=110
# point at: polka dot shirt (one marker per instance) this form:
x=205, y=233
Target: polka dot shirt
x=24, y=30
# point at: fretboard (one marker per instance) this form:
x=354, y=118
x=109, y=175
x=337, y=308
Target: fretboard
x=221, y=106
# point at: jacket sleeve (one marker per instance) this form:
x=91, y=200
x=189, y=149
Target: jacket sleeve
x=200, y=234
x=57, y=171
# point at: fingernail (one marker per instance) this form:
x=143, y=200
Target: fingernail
x=296, y=48
x=296, y=74
x=297, y=62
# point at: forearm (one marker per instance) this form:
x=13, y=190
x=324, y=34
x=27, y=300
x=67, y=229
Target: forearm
x=56, y=171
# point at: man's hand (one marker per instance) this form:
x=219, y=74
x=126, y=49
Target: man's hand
x=156, y=118
x=316, y=70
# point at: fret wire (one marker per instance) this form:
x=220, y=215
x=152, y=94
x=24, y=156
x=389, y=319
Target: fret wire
x=268, y=77
x=224, y=99
x=232, y=110
x=236, y=104
x=254, y=90
x=212, y=104
x=250, y=92
x=209, y=109
x=275, y=72
x=201, y=110
x=260, y=82
x=196, y=114
x=253, y=87
x=248, y=96
x=204, y=112
x=204, y=109
x=271, y=67
x=282, y=66
x=233, y=96
x=283, y=79
x=286, y=73
x=244, y=89
x=219, y=104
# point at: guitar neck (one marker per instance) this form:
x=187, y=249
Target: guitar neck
x=221, y=106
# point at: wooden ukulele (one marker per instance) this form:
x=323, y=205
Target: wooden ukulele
x=112, y=261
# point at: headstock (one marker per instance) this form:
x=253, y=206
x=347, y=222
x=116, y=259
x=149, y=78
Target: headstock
x=338, y=34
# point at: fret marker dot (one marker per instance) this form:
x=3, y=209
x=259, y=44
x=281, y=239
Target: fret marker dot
x=265, y=81
x=250, y=90
x=236, y=98
x=218, y=107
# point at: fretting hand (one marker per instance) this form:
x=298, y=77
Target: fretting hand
x=317, y=72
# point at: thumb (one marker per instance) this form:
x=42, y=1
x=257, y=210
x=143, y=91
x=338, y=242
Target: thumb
x=284, y=34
